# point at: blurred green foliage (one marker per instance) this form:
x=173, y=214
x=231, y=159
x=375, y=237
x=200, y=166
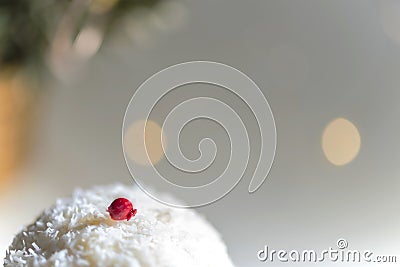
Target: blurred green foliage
x=27, y=27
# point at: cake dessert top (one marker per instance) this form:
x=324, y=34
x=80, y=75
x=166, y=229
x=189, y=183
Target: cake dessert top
x=79, y=231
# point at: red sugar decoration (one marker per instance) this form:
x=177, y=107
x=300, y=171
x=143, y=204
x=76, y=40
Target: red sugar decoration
x=121, y=209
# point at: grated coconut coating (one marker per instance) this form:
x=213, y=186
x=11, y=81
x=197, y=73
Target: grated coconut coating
x=78, y=231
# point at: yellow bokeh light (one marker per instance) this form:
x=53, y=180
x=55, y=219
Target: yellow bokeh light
x=144, y=147
x=341, y=141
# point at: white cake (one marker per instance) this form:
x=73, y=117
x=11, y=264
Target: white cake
x=78, y=231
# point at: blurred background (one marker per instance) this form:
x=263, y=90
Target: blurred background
x=329, y=69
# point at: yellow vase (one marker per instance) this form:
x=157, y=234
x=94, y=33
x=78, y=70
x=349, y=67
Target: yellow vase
x=16, y=107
